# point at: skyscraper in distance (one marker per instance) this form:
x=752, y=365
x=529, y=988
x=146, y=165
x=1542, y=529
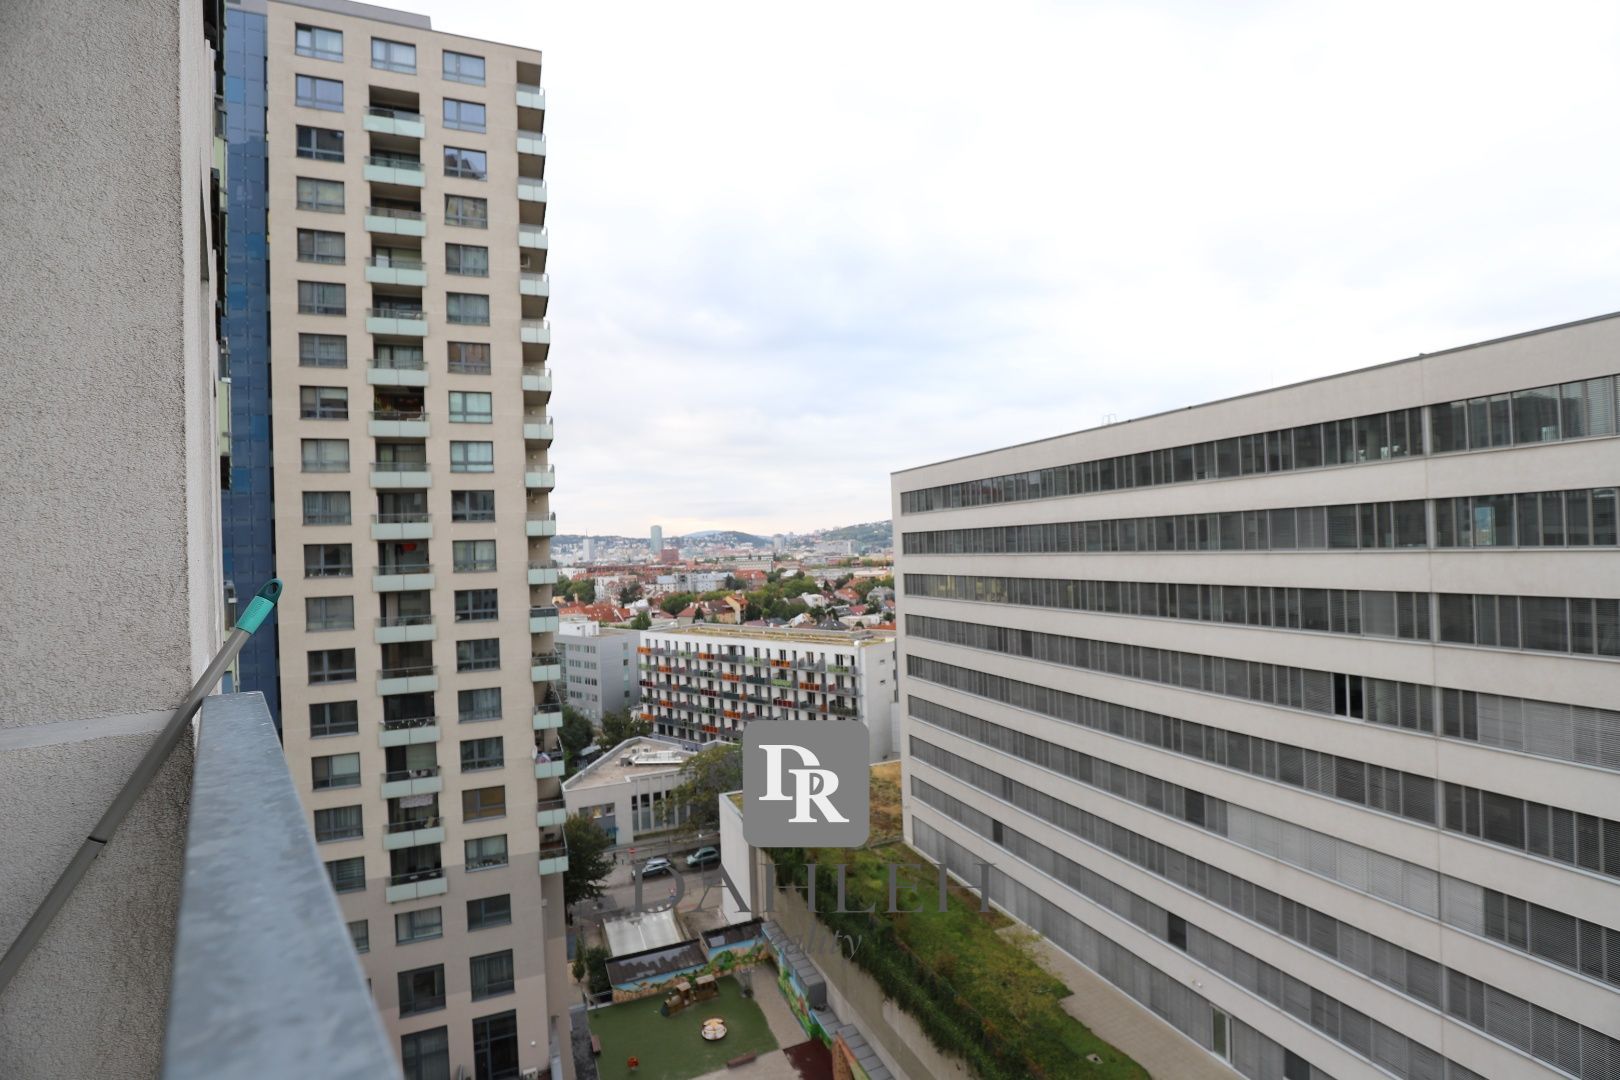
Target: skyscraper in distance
x=399, y=396
x=655, y=542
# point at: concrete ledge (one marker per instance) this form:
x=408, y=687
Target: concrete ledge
x=266, y=982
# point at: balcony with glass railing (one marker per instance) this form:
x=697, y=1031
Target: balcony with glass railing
x=536, y=379
x=401, y=474
x=394, y=221
x=415, y=525
x=394, y=629
x=396, y=321
x=398, y=424
x=397, y=371
x=543, y=619
x=395, y=270
x=385, y=121
x=408, y=730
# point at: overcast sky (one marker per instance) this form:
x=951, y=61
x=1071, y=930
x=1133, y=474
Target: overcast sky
x=795, y=247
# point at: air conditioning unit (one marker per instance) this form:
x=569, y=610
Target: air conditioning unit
x=530, y=1074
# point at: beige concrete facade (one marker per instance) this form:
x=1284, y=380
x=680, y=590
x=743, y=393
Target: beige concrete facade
x=1566, y=780
x=404, y=406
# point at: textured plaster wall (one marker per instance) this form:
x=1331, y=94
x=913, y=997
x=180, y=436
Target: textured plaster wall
x=111, y=590
x=91, y=999
x=106, y=413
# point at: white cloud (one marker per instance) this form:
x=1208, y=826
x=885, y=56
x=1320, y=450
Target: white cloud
x=794, y=247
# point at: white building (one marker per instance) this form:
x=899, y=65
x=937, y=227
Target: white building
x=626, y=790
x=1294, y=714
x=598, y=666
x=703, y=683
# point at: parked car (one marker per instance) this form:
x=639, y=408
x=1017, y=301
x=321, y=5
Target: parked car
x=654, y=867
x=704, y=856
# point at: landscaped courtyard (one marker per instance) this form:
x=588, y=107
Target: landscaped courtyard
x=670, y=1047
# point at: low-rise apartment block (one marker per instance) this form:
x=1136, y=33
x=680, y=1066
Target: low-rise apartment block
x=705, y=682
x=599, y=666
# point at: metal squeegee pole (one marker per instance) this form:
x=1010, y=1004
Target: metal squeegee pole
x=150, y=762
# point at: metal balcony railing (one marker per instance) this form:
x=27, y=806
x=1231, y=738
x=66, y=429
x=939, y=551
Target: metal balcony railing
x=394, y=114
x=408, y=517
x=397, y=775
x=398, y=363
x=394, y=212
x=412, y=671
x=413, y=824
x=399, y=466
x=403, y=723
x=410, y=164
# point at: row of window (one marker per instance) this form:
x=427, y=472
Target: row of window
x=329, y=718
x=1583, y=1052
x=1546, y=831
x=322, y=43
x=332, y=351
x=337, y=560
x=332, y=298
x=1581, y=518
x=336, y=507
x=1585, y=626
x=1550, y=729
x=332, y=403
x=1574, y=944
x=332, y=456
x=327, y=144
x=314, y=92
x=422, y=989
x=331, y=248
x=330, y=772
x=327, y=197
x=1544, y=414
x=1326, y=693
x=338, y=665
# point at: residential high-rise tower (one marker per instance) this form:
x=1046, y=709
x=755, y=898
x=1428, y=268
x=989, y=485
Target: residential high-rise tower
x=398, y=377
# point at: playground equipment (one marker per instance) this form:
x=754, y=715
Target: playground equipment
x=689, y=993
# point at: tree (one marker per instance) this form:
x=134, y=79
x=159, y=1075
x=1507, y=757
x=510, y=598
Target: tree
x=576, y=732
x=630, y=593
x=590, y=967
x=703, y=779
x=643, y=621
x=676, y=602
x=619, y=726
x=588, y=860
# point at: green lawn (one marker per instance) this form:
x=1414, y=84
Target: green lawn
x=669, y=1047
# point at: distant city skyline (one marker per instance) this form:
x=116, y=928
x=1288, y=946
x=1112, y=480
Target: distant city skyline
x=1045, y=216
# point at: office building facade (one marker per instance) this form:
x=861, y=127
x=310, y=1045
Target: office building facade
x=401, y=385
x=703, y=683
x=599, y=666
x=1294, y=715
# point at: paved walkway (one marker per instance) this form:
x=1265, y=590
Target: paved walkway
x=1115, y=1016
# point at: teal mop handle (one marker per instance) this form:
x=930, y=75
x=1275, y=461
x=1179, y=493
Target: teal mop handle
x=250, y=620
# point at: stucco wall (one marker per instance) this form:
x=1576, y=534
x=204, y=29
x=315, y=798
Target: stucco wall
x=110, y=490
x=111, y=593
